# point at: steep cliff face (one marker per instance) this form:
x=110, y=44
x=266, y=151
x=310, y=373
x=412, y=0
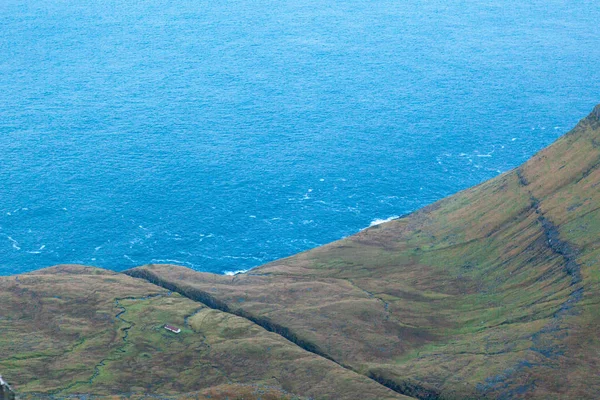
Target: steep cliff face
x=492, y=292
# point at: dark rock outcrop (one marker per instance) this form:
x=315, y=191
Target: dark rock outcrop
x=6, y=392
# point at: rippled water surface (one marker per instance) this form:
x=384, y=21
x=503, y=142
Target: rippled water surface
x=224, y=134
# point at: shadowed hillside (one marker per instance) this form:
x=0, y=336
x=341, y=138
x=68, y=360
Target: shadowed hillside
x=491, y=293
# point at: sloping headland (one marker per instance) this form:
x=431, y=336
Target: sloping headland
x=491, y=293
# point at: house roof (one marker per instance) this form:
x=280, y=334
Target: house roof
x=172, y=328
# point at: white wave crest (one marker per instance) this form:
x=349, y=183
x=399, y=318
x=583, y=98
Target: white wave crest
x=232, y=273
x=15, y=244
x=380, y=221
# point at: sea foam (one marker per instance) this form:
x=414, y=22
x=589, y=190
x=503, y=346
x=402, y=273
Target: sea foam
x=233, y=273
x=379, y=221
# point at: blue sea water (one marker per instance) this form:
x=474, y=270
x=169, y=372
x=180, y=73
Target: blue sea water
x=222, y=134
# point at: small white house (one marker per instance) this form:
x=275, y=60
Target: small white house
x=173, y=329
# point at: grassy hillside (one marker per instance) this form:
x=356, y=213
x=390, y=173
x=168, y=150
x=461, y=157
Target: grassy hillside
x=490, y=293
x=75, y=330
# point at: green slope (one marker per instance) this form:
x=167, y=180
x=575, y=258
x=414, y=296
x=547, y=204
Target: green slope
x=73, y=330
x=490, y=293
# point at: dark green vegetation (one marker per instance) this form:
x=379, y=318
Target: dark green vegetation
x=491, y=293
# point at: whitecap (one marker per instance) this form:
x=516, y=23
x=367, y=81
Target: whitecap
x=233, y=273
x=380, y=221
x=135, y=241
x=15, y=244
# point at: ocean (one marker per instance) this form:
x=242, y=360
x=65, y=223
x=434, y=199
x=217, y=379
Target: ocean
x=221, y=135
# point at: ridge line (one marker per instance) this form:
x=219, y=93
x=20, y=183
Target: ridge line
x=210, y=301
